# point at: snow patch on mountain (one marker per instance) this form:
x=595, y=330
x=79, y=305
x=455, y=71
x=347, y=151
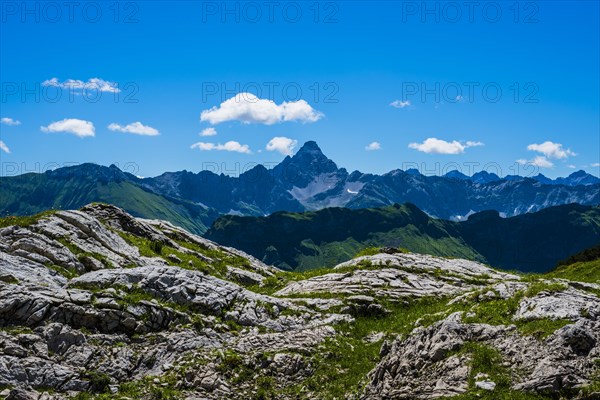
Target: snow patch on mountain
x=320, y=184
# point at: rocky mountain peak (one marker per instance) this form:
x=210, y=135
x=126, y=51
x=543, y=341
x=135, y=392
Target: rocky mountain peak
x=484, y=177
x=578, y=174
x=310, y=146
x=413, y=171
x=580, y=178
x=90, y=170
x=310, y=154
x=455, y=174
x=304, y=166
x=541, y=178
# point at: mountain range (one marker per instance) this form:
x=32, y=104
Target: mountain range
x=303, y=182
x=311, y=181
x=532, y=242
x=73, y=187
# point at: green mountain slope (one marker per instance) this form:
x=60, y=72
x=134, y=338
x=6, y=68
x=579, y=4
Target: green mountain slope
x=583, y=271
x=535, y=241
x=583, y=266
x=332, y=235
x=531, y=242
x=33, y=193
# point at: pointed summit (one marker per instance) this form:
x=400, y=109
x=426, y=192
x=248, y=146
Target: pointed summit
x=92, y=171
x=302, y=168
x=543, y=179
x=575, y=179
x=310, y=146
x=413, y=171
x=455, y=174
x=312, y=158
x=579, y=178
x=484, y=177
x=311, y=152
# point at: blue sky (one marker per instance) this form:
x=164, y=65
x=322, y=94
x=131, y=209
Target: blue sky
x=329, y=75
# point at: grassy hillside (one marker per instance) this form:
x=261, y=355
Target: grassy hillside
x=324, y=238
x=532, y=242
x=33, y=193
x=585, y=271
x=300, y=241
x=583, y=266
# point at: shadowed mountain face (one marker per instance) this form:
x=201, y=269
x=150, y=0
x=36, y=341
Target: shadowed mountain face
x=306, y=181
x=302, y=169
x=532, y=242
x=289, y=186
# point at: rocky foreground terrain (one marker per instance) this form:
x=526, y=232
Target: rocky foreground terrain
x=95, y=304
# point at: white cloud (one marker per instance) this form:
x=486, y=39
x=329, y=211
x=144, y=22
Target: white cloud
x=595, y=165
x=548, y=151
x=571, y=166
x=4, y=147
x=283, y=145
x=229, y=146
x=10, y=121
x=208, y=132
x=400, y=104
x=551, y=150
x=438, y=146
x=79, y=85
x=539, y=161
x=248, y=109
x=137, y=128
x=373, y=146
x=77, y=127
x=542, y=162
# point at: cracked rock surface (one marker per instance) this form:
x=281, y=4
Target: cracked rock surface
x=78, y=301
x=95, y=303
x=400, y=275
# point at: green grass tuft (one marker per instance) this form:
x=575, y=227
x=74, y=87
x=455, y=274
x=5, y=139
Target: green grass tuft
x=342, y=363
x=24, y=221
x=585, y=271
